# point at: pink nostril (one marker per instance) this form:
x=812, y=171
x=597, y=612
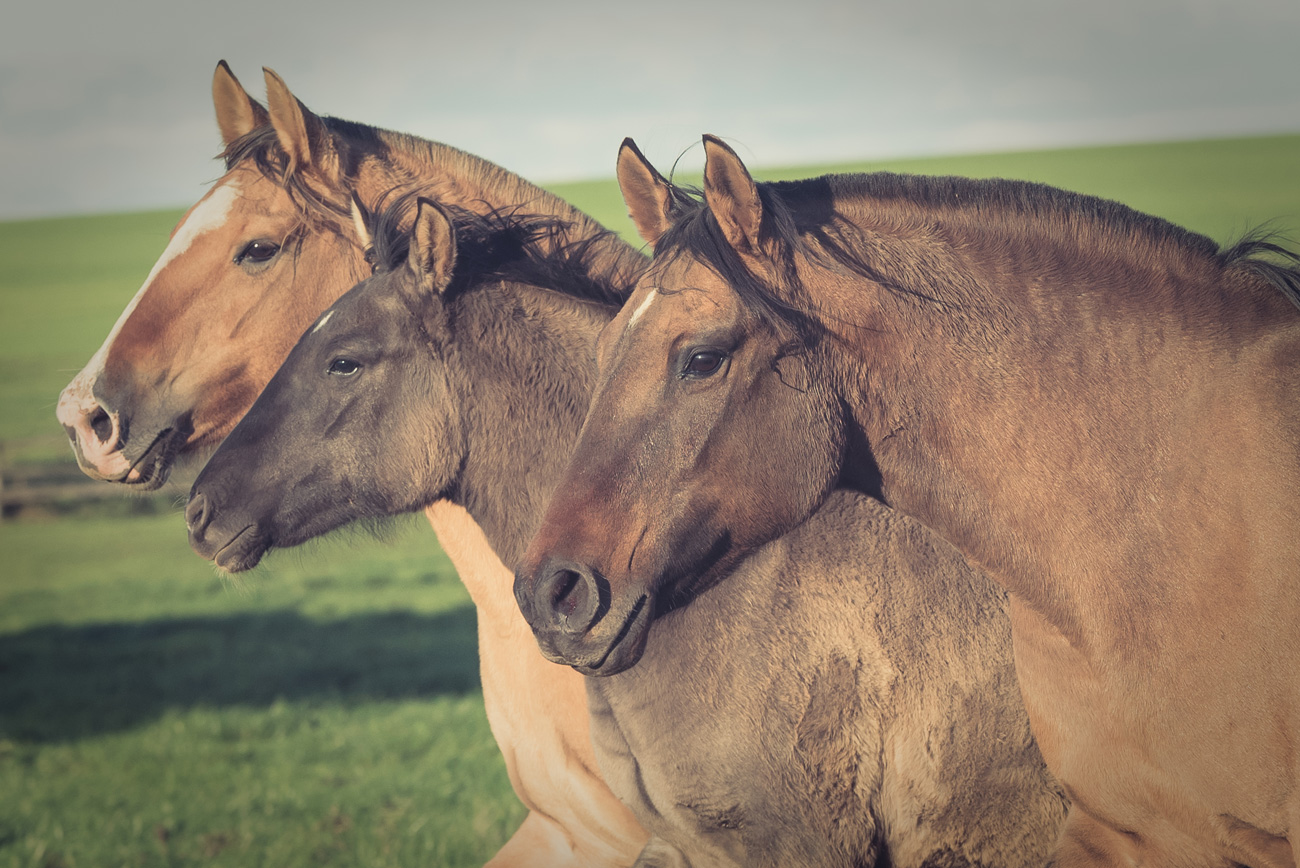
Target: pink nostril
x=97, y=434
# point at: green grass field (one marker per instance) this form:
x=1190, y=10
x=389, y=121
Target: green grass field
x=325, y=710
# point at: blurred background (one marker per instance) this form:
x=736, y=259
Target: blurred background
x=102, y=106
x=326, y=709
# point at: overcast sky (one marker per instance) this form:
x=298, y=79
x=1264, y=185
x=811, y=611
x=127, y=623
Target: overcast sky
x=106, y=106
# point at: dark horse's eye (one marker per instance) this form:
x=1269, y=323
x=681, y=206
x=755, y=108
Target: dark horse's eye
x=344, y=367
x=257, y=252
x=704, y=363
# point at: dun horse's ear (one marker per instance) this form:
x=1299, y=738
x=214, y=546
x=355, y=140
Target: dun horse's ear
x=361, y=222
x=238, y=114
x=433, y=247
x=302, y=134
x=731, y=195
x=647, y=193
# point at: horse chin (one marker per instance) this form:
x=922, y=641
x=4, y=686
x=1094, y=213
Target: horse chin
x=243, y=551
x=152, y=469
x=146, y=471
x=620, y=651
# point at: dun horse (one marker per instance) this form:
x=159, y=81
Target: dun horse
x=269, y=247
x=771, y=724
x=1099, y=408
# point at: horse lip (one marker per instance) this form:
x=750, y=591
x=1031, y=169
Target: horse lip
x=634, y=615
x=240, y=559
x=154, y=463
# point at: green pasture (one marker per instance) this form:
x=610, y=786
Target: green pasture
x=325, y=710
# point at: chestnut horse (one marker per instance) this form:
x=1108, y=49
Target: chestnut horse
x=268, y=248
x=1099, y=408
x=769, y=726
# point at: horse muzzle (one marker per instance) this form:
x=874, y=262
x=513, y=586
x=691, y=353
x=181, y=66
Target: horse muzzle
x=577, y=621
x=109, y=448
x=233, y=546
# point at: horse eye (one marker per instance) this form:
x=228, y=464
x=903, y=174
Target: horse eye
x=344, y=367
x=371, y=257
x=704, y=363
x=257, y=252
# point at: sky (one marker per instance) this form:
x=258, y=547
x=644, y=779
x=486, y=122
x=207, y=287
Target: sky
x=106, y=106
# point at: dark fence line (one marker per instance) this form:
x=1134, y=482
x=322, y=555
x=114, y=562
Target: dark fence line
x=48, y=481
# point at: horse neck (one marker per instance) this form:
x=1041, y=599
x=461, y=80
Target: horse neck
x=454, y=177
x=1046, y=404
x=524, y=359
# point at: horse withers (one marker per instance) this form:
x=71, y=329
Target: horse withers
x=253, y=264
x=1096, y=406
x=771, y=723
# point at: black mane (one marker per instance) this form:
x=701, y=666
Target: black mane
x=502, y=245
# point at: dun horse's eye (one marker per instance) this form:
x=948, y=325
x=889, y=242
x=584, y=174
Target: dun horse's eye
x=344, y=367
x=257, y=252
x=704, y=363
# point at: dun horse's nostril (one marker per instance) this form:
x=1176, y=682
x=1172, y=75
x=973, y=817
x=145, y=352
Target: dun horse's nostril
x=571, y=592
x=566, y=589
x=101, y=424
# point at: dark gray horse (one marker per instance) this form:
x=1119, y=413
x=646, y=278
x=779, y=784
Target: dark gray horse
x=844, y=697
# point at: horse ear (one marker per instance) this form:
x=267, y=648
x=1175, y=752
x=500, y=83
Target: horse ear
x=731, y=195
x=433, y=247
x=361, y=222
x=302, y=134
x=238, y=114
x=647, y=193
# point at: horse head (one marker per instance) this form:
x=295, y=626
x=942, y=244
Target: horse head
x=357, y=423
x=246, y=269
x=705, y=437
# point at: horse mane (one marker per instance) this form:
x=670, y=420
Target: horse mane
x=262, y=147
x=801, y=216
x=695, y=231
x=1275, y=264
x=503, y=245
x=555, y=260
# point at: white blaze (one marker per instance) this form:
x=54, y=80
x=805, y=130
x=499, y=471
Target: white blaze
x=640, y=309
x=77, y=400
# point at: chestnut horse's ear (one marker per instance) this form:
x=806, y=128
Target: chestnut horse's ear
x=238, y=114
x=647, y=193
x=731, y=195
x=302, y=134
x=361, y=222
x=433, y=247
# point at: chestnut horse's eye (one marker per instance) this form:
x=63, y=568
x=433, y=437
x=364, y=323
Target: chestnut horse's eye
x=257, y=252
x=344, y=367
x=704, y=363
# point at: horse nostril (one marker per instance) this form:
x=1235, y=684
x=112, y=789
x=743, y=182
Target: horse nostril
x=101, y=424
x=570, y=598
x=196, y=514
x=568, y=592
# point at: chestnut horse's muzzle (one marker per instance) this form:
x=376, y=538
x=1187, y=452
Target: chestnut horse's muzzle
x=112, y=447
